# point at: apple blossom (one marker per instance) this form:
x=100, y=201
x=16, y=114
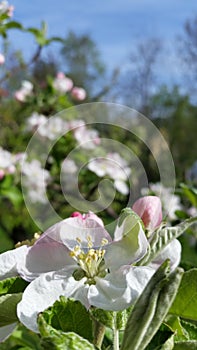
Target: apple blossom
x=25, y=91
x=115, y=167
x=2, y=59
x=35, y=180
x=78, y=93
x=170, y=202
x=150, y=210
x=86, y=138
x=77, y=258
x=62, y=83
x=35, y=120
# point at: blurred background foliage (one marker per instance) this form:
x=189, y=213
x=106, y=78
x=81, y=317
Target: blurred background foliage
x=172, y=108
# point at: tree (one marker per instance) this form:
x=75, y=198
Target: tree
x=82, y=61
x=141, y=76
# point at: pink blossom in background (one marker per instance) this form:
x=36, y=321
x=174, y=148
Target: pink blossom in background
x=62, y=83
x=2, y=174
x=10, y=11
x=149, y=208
x=2, y=59
x=25, y=90
x=78, y=93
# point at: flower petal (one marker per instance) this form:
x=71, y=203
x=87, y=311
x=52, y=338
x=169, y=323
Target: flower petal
x=9, y=261
x=149, y=208
x=111, y=292
x=79, y=228
x=172, y=251
x=132, y=245
x=119, y=289
x=42, y=293
x=47, y=254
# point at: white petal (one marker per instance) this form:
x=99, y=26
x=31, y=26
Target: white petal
x=111, y=292
x=6, y=331
x=42, y=293
x=137, y=279
x=131, y=248
x=119, y=289
x=9, y=261
x=172, y=251
x=47, y=254
x=121, y=186
x=77, y=227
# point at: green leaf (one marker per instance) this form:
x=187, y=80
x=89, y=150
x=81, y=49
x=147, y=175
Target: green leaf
x=185, y=303
x=22, y=338
x=169, y=344
x=57, y=340
x=8, y=305
x=186, y=345
x=191, y=329
x=12, y=285
x=14, y=195
x=70, y=316
x=163, y=236
x=151, y=308
x=174, y=323
x=14, y=25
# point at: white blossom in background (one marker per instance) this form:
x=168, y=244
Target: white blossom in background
x=86, y=138
x=78, y=93
x=62, y=83
x=114, y=166
x=170, y=201
x=2, y=59
x=25, y=91
x=54, y=127
x=35, y=120
x=35, y=179
x=69, y=166
x=5, y=8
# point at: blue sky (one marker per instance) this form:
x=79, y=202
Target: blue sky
x=115, y=25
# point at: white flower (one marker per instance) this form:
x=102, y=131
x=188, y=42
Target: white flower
x=25, y=91
x=62, y=83
x=35, y=180
x=86, y=138
x=69, y=166
x=2, y=59
x=35, y=120
x=53, y=128
x=77, y=258
x=115, y=167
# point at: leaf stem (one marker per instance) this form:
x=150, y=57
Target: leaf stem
x=116, y=334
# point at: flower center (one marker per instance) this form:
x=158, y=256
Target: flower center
x=90, y=260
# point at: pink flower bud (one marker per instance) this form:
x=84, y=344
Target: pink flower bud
x=2, y=59
x=10, y=10
x=20, y=95
x=60, y=75
x=78, y=93
x=149, y=208
x=2, y=174
x=76, y=214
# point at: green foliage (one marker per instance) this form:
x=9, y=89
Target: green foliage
x=70, y=316
x=8, y=305
x=12, y=285
x=185, y=303
x=58, y=340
